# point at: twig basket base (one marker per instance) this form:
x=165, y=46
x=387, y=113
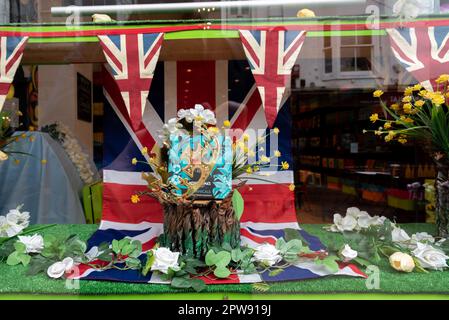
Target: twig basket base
x=193, y=227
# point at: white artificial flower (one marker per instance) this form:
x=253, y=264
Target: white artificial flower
x=33, y=244
x=347, y=253
x=202, y=116
x=347, y=223
x=58, y=269
x=402, y=262
x=268, y=254
x=430, y=257
x=399, y=235
x=7, y=229
x=353, y=211
x=423, y=237
x=410, y=9
x=3, y=156
x=165, y=259
x=14, y=216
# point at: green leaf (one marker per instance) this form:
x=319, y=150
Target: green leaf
x=133, y=263
x=221, y=272
x=236, y=255
x=198, y=285
x=280, y=244
x=275, y=272
x=20, y=247
x=13, y=259
x=293, y=246
x=260, y=286
x=149, y=263
x=211, y=258
x=223, y=259
x=330, y=263
x=181, y=282
x=291, y=234
x=115, y=246
x=238, y=204
x=24, y=259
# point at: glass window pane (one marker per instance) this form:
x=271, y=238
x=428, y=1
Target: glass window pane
x=328, y=60
x=363, y=58
x=347, y=60
x=345, y=41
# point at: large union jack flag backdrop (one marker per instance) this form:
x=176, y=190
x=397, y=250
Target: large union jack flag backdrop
x=131, y=61
x=423, y=51
x=181, y=84
x=11, y=51
x=271, y=55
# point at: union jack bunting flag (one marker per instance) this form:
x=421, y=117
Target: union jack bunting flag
x=271, y=56
x=11, y=51
x=423, y=51
x=181, y=84
x=131, y=61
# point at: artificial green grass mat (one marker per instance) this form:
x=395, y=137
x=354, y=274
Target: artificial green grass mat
x=13, y=279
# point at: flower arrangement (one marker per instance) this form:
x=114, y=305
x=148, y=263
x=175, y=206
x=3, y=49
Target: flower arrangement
x=7, y=138
x=423, y=115
x=61, y=133
x=192, y=179
x=373, y=237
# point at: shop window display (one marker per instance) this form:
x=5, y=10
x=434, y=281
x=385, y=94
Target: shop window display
x=220, y=144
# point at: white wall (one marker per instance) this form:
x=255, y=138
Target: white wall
x=58, y=100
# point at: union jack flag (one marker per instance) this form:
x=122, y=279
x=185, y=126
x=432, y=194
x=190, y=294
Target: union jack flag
x=423, y=51
x=11, y=51
x=271, y=55
x=181, y=84
x=131, y=61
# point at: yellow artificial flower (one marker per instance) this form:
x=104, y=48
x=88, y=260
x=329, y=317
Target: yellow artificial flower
x=241, y=145
x=44, y=162
x=245, y=149
x=135, y=198
x=144, y=150
x=277, y=153
x=402, y=140
x=249, y=170
x=387, y=125
x=394, y=107
x=390, y=136
x=276, y=130
x=261, y=140
x=408, y=91
x=291, y=187
x=442, y=78
x=378, y=132
x=23, y=135
x=438, y=99
x=417, y=87
x=17, y=161
x=407, y=107
x=377, y=93
x=213, y=130
x=419, y=103
x=374, y=117
x=423, y=93
x=407, y=99
x=134, y=161
x=245, y=137
x=256, y=168
x=227, y=124
x=406, y=119
x=285, y=165
x=264, y=159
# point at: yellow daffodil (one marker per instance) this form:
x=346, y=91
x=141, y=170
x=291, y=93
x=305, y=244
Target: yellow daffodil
x=264, y=159
x=419, y=103
x=245, y=149
x=227, y=124
x=245, y=137
x=378, y=93
x=144, y=150
x=387, y=125
x=423, y=93
x=417, y=87
x=406, y=119
x=406, y=99
x=285, y=165
x=408, y=91
x=438, y=99
x=291, y=187
x=407, y=107
x=256, y=168
x=390, y=136
x=249, y=170
x=43, y=161
x=374, y=117
x=276, y=130
x=134, y=161
x=402, y=140
x=135, y=198
x=394, y=107
x=277, y=153
x=378, y=132
x=442, y=78
x=23, y=135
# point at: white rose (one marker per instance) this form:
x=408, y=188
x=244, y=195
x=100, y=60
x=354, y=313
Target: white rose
x=268, y=254
x=33, y=244
x=422, y=237
x=347, y=223
x=57, y=269
x=402, y=262
x=3, y=156
x=165, y=259
x=353, y=211
x=364, y=221
x=8, y=229
x=430, y=257
x=14, y=216
x=347, y=253
x=399, y=235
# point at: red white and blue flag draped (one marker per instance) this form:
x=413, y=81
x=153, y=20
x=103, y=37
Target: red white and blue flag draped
x=181, y=84
x=11, y=51
x=271, y=55
x=423, y=51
